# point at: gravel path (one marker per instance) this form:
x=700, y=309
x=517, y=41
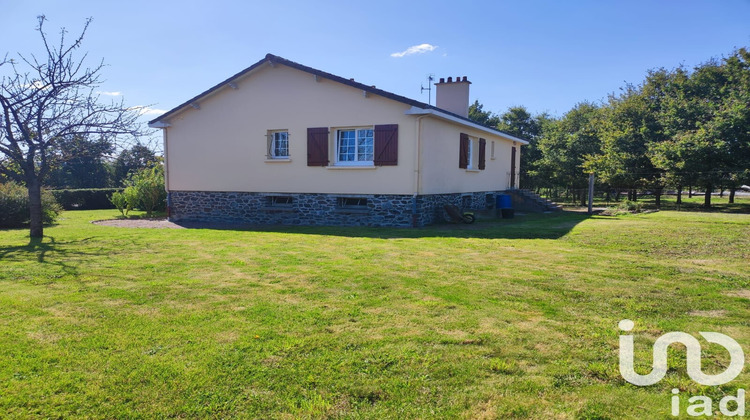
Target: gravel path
x=140, y=223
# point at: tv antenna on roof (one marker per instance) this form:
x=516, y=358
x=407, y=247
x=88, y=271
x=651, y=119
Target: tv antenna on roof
x=430, y=78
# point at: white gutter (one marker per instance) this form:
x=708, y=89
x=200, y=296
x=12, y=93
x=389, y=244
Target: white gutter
x=166, y=162
x=418, y=156
x=159, y=124
x=421, y=111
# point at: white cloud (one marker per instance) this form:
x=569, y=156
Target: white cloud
x=415, y=49
x=146, y=110
x=35, y=84
x=109, y=93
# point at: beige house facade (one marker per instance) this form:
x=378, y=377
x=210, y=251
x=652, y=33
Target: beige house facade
x=283, y=143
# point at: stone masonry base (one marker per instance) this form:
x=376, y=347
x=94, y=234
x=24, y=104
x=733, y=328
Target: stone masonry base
x=320, y=209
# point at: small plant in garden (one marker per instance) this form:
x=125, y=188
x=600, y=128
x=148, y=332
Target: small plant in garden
x=144, y=190
x=120, y=201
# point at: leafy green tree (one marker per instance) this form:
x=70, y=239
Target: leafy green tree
x=706, y=117
x=517, y=121
x=81, y=163
x=144, y=190
x=482, y=117
x=565, y=147
x=133, y=160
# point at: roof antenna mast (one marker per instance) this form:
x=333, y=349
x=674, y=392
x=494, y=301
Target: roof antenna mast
x=430, y=78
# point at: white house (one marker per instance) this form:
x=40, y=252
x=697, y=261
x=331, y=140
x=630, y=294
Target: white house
x=283, y=143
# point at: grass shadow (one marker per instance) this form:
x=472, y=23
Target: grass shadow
x=523, y=226
x=40, y=248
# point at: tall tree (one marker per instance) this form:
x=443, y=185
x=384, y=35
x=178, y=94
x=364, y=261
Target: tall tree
x=81, y=163
x=706, y=116
x=480, y=116
x=133, y=160
x=46, y=99
x=518, y=122
x=566, y=146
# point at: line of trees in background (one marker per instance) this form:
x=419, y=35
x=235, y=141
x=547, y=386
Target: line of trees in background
x=678, y=129
x=83, y=163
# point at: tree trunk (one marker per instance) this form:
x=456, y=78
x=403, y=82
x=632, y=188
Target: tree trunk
x=731, y=195
x=721, y=192
x=690, y=191
x=679, y=194
x=657, y=194
x=36, y=226
x=707, y=200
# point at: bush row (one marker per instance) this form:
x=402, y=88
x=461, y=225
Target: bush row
x=14, y=206
x=85, y=199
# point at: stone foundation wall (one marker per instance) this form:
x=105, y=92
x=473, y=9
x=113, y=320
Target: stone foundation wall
x=320, y=209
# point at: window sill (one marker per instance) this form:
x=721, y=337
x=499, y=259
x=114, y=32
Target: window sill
x=473, y=170
x=279, y=160
x=355, y=167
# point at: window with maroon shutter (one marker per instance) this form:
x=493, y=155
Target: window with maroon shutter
x=317, y=146
x=482, y=153
x=463, y=153
x=386, y=145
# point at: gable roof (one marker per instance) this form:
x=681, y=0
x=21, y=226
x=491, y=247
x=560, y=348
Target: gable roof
x=417, y=106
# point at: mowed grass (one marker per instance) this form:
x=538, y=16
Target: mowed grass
x=505, y=319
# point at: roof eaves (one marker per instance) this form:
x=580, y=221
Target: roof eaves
x=213, y=89
x=440, y=113
x=274, y=59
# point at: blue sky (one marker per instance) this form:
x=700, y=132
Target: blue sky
x=546, y=55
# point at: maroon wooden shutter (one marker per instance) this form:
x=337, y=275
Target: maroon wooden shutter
x=317, y=146
x=463, y=152
x=482, y=153
x=386, y=145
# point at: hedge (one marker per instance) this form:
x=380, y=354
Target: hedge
x=85, y=198
x=14, y=206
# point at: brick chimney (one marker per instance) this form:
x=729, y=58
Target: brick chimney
x=453, y=96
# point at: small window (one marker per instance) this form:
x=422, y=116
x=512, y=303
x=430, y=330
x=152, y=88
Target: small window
x=355, y=146
x=280, y=201
x=352, y=202
x=471, y=160
x=492, y=150
x=278, y=144
x=466, y=201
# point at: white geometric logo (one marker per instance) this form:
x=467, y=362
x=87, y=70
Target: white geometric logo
x=737, y=357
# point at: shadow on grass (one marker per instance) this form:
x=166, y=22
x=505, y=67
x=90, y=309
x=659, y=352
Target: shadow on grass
x=528, y=226
x=39, y=248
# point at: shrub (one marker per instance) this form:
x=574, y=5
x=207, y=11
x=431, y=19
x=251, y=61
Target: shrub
x=86, y=198
x=14, y=206
x=626, y=207
x=120, y=202
x=145, y=191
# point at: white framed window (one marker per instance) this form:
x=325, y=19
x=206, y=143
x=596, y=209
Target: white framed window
x=355, y=146
x=278, y=144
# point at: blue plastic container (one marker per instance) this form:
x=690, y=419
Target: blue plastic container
x=504, y=201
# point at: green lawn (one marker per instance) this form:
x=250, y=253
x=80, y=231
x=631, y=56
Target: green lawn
x=507, y=319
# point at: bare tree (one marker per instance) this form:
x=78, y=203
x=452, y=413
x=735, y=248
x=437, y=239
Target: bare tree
x=49, y=98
